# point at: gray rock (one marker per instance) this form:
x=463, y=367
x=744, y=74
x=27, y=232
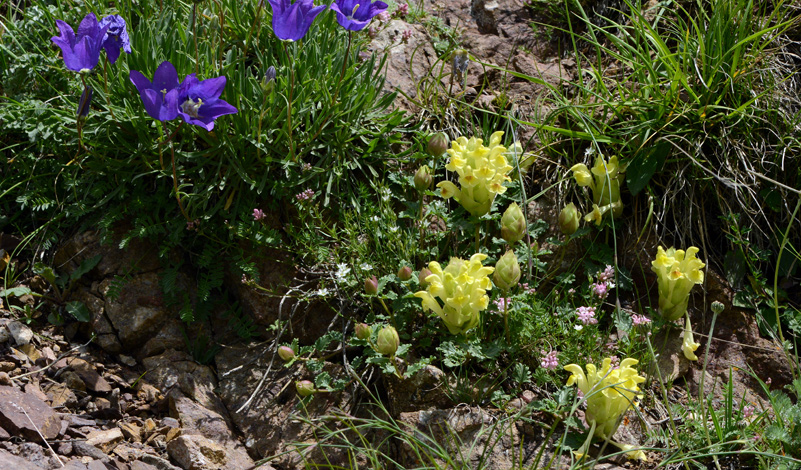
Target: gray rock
x=9, y=461
x=94, y=381
x=139, y=311
x=26, y=415
x=20, y=332
x=195, y=452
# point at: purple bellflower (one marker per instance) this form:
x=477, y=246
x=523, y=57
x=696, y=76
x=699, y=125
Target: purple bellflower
x=161, y=96
x=81, y=53
x=355, y=15
x=292, y=21
x=85, y=102
x=116, y=37
x=199, y=101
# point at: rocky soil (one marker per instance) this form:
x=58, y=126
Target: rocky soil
x=122, y=391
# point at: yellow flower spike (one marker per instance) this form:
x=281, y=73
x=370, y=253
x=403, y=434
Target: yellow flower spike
x=677, y=272
x=689, y=345
x=608, y=391
x=482, y=172
x=461, y=289
x=604, y=182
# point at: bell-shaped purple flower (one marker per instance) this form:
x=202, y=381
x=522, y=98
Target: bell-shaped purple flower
x=116, y=37
x=355, y=15
x=292, y=21
x=160, y=96
x=80, y=52
x=199, y=101
x=85, y=102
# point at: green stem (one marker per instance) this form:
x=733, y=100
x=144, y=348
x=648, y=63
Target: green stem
x=105, y=87
x=701, y=395
x=506, y=316
x=289, y=102
x=175, y=178
x=389, y=312
x=478, y=244
x=776, y=287
x=194, y=36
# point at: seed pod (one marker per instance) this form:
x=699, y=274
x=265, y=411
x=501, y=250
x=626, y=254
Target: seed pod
x=422, y=178
x=363, y=331
x=305, y=388
x=513, y=224
x=437, y=144
x=405, y=273
x=507, y=271
x=388, y=341
x=569, y=219
x=371, y=285
x=286, y=353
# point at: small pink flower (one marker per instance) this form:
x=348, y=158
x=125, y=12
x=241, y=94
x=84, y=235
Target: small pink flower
x=305, y=195
x=615, y=362
x=402, y=10
x=549, y=360
x=601, y=290
x=748, y=411
x=406, y=35
x=372, y=32
x=503, y=303
x=638, y=320
x=586, y=315
x=258, y=214
x=383, y=16
x=608, y=274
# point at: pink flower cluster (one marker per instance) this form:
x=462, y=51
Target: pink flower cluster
x=549, y=360
x=600, y=290
x=406, y=35
x=503, y=303
x=527, y=289
x=638, y=320
x=607, y=275
x=305, y=195
x=586, y=315
x=258, y=214
x=402, y=10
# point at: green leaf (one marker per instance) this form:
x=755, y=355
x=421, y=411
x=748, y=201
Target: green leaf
x=78, y=311
x=16, y=291
x=86, y=266
x=642, y=167
x=46, y=272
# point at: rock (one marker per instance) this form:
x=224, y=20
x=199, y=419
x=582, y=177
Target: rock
x=170, y=336
x=36, y=454
x=5, y=379
x=139, y=465
x=9, y=461
x=105, y=440
x=197, y=420
x=268, y=421
x=23, y=414
x=421, y=391
x=177, y=369
x=34, y=390
x=22, y=334
x=84, y=449
x=60, y=395
x=30, y=351
x=195, y=452
x=131, y=431
x=158, y=462
x=73, y=381
x=127, y=360
x=139, y=312
x=94, y=381
x=5, y=335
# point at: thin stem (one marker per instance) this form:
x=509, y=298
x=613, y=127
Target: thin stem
x=175, y=176
x=105, y=87
x=255, y=25
x=389, y=312
x=194, y=36
x=703, y=381
x=478, y=238
x=506, y=315
x=289, y=102
x=776, y=287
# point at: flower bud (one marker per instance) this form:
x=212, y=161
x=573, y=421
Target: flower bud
x=363, y=331
x=305, y=388
x=388, y=341
x=513, y=224
x=405, y=273
x=286, y=353
x=85, y=102
x=421, y=278
x=268, y=82
x=507, y=271
x=422, y=179
x=569, y=219
x=717, y=307
x=371, y=285
x=437, y=144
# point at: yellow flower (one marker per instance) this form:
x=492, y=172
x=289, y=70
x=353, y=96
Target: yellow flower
x=482, y=172
x=609, y=392
x=462, y=287
x=604, y=182
x=677, y=272
x=689, y=345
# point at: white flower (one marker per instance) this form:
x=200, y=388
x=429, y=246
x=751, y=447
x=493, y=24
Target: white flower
x=342, y=272
x=366, y=267
x=322, y=292
x=578, y=327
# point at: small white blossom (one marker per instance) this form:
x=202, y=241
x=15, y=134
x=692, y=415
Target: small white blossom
x=366, y=267
x=322, y=292
x=342, y=272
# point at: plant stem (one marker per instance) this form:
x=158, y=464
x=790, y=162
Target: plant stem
x=289, y=102
x=703, y=380
x=175, y=177
x=194, y=36
x=105, y=87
